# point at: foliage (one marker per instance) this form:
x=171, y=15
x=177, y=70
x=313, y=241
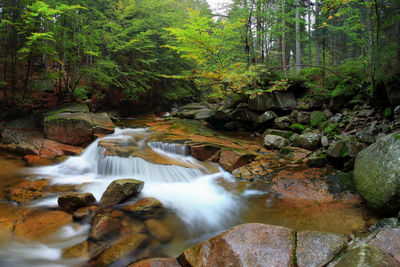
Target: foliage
x=297, y=127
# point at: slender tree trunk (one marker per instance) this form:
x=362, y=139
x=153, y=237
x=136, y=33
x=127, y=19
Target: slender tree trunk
x=316, y=33
x=5, y=85
x=298, y=46
x=309, y=32
x=284, y=63
x=28, y=71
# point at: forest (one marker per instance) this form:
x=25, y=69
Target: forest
x=118, y=54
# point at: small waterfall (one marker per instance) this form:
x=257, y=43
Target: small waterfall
x=181, y=150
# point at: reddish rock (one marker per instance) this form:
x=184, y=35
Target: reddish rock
x=203, y=152
x=233, y=159
x=103, y=227
x=73, y=201
x=244, y=245
x=158, y=230
x=388, y=241
x=156, y=262
x=52, y=149
x=42, y=223
x=27, y=191
x=145, y=207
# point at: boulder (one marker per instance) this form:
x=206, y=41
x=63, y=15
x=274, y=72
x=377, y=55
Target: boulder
x=317, y=118
x=144, y=208
x=158, y=230
x=244, y=115
x=377, y=174
x=285, y=134
x=204, y=114
x=74, y=201
x=388, y=241
x=232, y=125
x=267, y=118
x=103, y=227
x=344, y=149
x=274, y=141
x=365, y=256
x=316, y=160
x=310, y=141
x=303, y=117
x=275, y=100
x=156, y=262
x=120, y=190
x=244, y=245
x=282, y=123
x=318, y=248
x=203, y=152
x=231, y=159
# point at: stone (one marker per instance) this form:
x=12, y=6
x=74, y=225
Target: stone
x=328, y=114
x=203, y=152
x=204, y=114
x=244, y=115
x=310, y=141
x=324, y=141
x=377, y=174
x=193, y=106
x=27, y=190
x=317, y=118
x=102, y=123
x=124, y=246
x=267, y=118
x=366, y=113
x=80, y=251
x=273, y=100
x=274, y=141
x=144, y=208
x=336, y=118
x=344, y=149
x=74, y=201
x=385, y=223
x=156, y=262
x=285, y=134
x=158, y=230
x=282, y=123
x=103, y=227
x=253, y=245
x=318, y=248
x=231, y=159
x=120, y=190
x=388, y=241
x=316, y=160
x=366, y=256
x=396, y=112
x=232, y=125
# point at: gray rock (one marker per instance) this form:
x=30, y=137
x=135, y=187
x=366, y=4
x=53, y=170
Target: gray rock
x=316, y=160
x=285, y=134
x=282, y=123
x=204, y=114
x=324, y=141
x=366, y=113
x=385, y=223
x=365, y=256
x=275, y=141
x=388, y=241
x=336, y=118
x=266, y=118
x=310, y=141
x=193, y=106
x=120, y=190
x=318, y=248
x=244, y=115
x=303, y=117
x=377, y=174
x=396, y=112
x=345, y=149
x=232, y=125
x=275, y=100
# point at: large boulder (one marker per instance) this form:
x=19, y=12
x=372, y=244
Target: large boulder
x=310, y=141
x=231, y=159
x=365, y=256
x=120, y=190
x=274, y=141
x=265, y=119
x=377, y=174
x=244, y=245
x=274, y=100
x=283, y=123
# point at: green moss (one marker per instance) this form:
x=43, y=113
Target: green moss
x=285, y=150
x=317, y=118
x=297, y=127
x=331, y=130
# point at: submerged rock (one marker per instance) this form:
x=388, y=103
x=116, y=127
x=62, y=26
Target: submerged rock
x=74, y=201
x=103, y=227
x=158, y=230
x=120, y=190
x=377, y=174
x=318, y=248
x=244, y=245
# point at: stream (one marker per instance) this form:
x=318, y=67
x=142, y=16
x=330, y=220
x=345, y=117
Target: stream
x=200, y=198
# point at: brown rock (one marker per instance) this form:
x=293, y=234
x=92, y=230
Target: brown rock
x=233, y=159
x=103, y=227
x=366, y=256
x=42, y=223
x=27, y=191
x=81, y=213
x=158, y=230
x=244, y=245
x=80, y=251
x=388, y=241
x=318, y=248
x=120, y=190
x=203, y=152
x=145, y=208
x=156, y=262
x=73, y=201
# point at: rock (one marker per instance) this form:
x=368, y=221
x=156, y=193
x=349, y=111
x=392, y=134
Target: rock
x=125, y=246
x=156, y=262
x=267, y=118
x=317, y=118
x=396, y=112
x=388, y=241
x=193, y=106
x=368, y=135
x=203, y=152
x=377, y=174
x=42, y=223
x=310, y=141
x=274, y=100
x=275, y=141
x=81, y=213
x=80, y=251
x=366, y=113
x=231, y=159
x=316, y=160
x=27, y=191
x=103, y=227
x=232, y=125
x=244, y=115
x=204, y=114
x=102, y=123
x=74, y=201
x=282, y=123
x=285, y=134
x=120, y=190
x=365, y=256
x=324, y=141
x=244, y=245
x=344, y=149
x=303, y=117
x=385, y=223
x=158, y=230
x=336, y=118
x=328, y=114
x=145, y=208
x=318, y=248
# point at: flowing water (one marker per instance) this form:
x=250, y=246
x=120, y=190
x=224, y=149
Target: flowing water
x=201, y=198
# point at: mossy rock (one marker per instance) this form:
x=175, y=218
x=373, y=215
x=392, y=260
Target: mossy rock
x=297, y=127
x=317, y=118
x=331, y=130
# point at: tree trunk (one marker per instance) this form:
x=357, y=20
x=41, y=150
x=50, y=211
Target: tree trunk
x=298, y=47
x=309, y=32
x=316, y=33
x=284, y=63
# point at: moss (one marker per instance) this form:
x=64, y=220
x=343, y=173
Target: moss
x=297, y=127
x=331, y=130
x=285, y=150
x=317, y=118
x=342, y=89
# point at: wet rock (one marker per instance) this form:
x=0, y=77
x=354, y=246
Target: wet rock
x=274, y=100
x=365, y=256
x=285, y=134
x=310, y=141
x=103, y=227
x=203, y=152
x=244, y=245
x=74, y=201
x=81, y=213
x=275, y=141
x=318, y=248
x=42, y=223
x=344, y=149
x=336, y=118
x=120, y=190
x=388, y=241
x=283, y=123
x=316, y=160
x=124, y=246
x=377, y=174
x=231, y=159
x=27, y=191
x=396, y=112
x=303, y=117
x=80, y=251
x=232, y=125
x=102, y=123
x=317, y=118
x=267, y=118
x=144, y=208
x=244, y=115
x=204, y=114
x=385, y=223
x=156, y=262
x=158, y=230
